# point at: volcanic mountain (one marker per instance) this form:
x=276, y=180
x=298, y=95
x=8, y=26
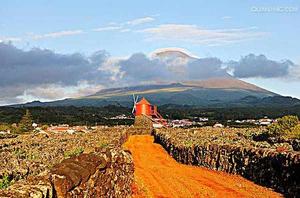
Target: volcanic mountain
x=218, y=89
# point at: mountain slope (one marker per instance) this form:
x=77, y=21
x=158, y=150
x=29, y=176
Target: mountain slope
x=205, y=93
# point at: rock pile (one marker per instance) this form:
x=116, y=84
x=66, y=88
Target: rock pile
x=265, y=166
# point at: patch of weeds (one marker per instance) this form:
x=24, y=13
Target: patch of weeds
x=5, y=182
x=32, y=156
x=73, y=153
x=103, y=145
x=20, y=153
x=188, y=143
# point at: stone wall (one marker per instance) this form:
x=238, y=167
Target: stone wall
x=107, y=172
x=266, y=167
x=143, y=122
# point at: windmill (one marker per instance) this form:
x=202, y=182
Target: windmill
x=144, y=110
x=135, y=99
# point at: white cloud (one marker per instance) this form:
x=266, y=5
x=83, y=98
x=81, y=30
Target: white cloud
x=140, y=21
x=107, y=28
x=49, y=92
x=295, y=72
x=57, y=34
x=8, y=39
x=125, y=30
x=226, y=17
x=111, y=66
x=198, y=35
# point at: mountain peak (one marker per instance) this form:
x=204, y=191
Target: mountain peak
x=173, y=52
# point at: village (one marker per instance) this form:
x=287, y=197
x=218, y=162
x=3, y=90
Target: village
x=148, y=131
x=176, y=123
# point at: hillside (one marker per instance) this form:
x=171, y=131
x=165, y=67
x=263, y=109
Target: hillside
x=206, y=93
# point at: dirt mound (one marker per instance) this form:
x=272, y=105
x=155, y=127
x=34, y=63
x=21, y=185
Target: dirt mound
x=159, y=175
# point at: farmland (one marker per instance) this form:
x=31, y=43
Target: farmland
x=95, y=162
x=32, y=154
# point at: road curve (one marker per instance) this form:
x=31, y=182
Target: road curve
x=159, y=175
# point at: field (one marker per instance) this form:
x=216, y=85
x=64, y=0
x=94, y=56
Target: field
x=228, y=159
x=35, y=154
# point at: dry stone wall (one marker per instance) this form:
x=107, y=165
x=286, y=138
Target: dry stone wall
x=105, y=173
x=267, y=167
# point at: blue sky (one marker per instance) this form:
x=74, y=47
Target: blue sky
x=224, y=29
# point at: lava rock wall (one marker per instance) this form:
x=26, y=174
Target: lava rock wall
x=104, y=173
x=266, y=167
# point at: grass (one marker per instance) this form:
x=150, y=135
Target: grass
x=5, y=182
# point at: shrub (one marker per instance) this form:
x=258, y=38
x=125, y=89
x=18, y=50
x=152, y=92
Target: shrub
x=295, y=133
x=45, y=127
x=25, y=124
x=73, y=153
x=4, y=127
x=5, y=182
x=284, y=125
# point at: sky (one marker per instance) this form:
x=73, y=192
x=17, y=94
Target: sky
x=57, y=49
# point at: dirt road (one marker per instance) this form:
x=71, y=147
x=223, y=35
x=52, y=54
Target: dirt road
x=159, y=175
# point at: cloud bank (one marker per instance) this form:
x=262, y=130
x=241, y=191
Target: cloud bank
x=260, y=66
x=42, y=74
x=198, y=35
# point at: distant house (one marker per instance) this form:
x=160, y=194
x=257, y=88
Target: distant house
x=265, y=121
x=157, y=125
x=181, y=123
x=218, y=125
x=203, y=119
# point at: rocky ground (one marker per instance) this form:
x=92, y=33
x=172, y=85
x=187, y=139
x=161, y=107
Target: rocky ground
x=35, y=154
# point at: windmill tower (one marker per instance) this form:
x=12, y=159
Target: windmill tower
x=146, y=114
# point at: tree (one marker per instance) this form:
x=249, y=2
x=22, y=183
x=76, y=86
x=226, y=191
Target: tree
x=25, y=125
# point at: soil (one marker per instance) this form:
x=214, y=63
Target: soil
x=158, y=175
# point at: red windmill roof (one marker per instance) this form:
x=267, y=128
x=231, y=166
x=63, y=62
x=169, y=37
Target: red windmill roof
x=143, y=101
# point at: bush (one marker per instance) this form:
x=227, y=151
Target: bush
x=295, y=133
x=283, y=126
x=45, y=127
x=25, y=124
x=4, y=127
x=5, y=182
x=73, y=153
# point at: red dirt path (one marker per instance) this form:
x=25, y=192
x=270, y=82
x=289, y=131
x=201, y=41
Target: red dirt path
x=159, y=175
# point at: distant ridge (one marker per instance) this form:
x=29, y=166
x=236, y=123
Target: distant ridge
x=207, y=93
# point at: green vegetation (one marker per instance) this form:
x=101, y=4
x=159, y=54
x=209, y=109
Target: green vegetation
x=5, y=182
x=285, y=126
x=25, y=124
x=223, y=114
x=68, y=115
x=74, y=152
x=4, y=127
x=103, y=145
x=20, y=153
x=99, y=115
